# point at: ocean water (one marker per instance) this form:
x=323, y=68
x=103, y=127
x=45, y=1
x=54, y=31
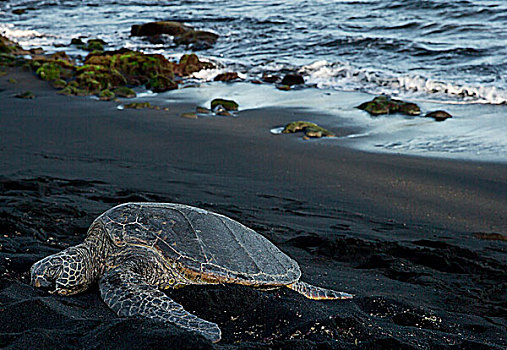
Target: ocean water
x=442, y=54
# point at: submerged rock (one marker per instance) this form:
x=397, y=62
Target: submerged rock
x=293, y=79
x=439, y=116
x=385, y=105
x=190, y=64
x=309, y=129
x=226, y=104
x=228, y=76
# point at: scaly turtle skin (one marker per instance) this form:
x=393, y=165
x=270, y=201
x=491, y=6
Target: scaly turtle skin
x=136, y=249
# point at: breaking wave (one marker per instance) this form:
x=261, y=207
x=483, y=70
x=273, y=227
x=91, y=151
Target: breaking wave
x=339, y=75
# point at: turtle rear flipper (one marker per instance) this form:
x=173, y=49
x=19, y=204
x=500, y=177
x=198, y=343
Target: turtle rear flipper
x=317, y=293
x=128, y=294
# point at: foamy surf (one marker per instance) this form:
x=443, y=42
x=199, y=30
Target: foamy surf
x=344, y=76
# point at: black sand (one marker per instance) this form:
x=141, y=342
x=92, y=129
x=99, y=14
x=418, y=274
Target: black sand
x=405, y=235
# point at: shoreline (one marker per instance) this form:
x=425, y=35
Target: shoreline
x=398, y=232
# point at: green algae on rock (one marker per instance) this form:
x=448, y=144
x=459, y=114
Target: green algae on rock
x=124, y=91
x=385, y=105
x=227, y=104
x=161, y=83
x=439, y=116
x=309, y=129
x=139, y=105
x=106, y=95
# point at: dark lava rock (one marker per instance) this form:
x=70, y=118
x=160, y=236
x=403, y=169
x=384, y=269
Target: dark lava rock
x=228, y=76
x=183, y=35
x=439, y=116
x=269, y=78
x=293, y=79
x=157, y=28
x=385, y=105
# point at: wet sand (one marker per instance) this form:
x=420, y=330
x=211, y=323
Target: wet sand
x=404, y=234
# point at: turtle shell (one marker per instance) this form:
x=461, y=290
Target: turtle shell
x=208, y=244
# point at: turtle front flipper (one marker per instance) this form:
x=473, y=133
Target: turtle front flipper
x=317, y=293
x=128, y=294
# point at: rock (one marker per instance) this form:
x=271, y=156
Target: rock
x=183, y=35
x=9, y=46
x=268, y=78
x=157, y=28
x=161, y=83
x=19, y=11
x=53, y=70
x=59, y=84
x=439, y=116
x=190, y=64
x=227, y=104
x=385, y=105
x=189, y=115
x=202, y=110
x=310, y=130
x=106, y=95
x=138, y=105
x=77, y=41
x=283, y=87
x=26, y=95
x=124, y=91
x=197, y=39
x=293, y=79
x=228, y=76
x=12, y=81
x=94, y=45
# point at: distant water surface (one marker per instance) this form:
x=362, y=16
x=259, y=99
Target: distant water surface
x=451, y=50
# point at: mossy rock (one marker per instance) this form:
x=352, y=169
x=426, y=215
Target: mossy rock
x=95, y=45
x=95, y=78
x=161, y=27
x=385, y=105
x=9, y=46
x=309, y=129
x=72, y=89
x=137, y=68
x=106, y=95
x=138, y=105
x=49, y=71
x=26, y=95
x=227, y=104
x=124, y=91
x=161, y=84
x=59, y=84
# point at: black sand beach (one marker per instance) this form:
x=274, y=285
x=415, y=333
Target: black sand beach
x=420, y=242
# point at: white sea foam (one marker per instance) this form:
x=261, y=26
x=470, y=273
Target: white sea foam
x=344, y=76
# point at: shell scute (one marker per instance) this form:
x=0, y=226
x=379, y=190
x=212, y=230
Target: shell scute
x=210, y=245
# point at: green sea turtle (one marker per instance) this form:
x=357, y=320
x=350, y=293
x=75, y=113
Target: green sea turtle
x=136, y=249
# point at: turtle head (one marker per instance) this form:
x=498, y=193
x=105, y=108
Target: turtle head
x=63, y=273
